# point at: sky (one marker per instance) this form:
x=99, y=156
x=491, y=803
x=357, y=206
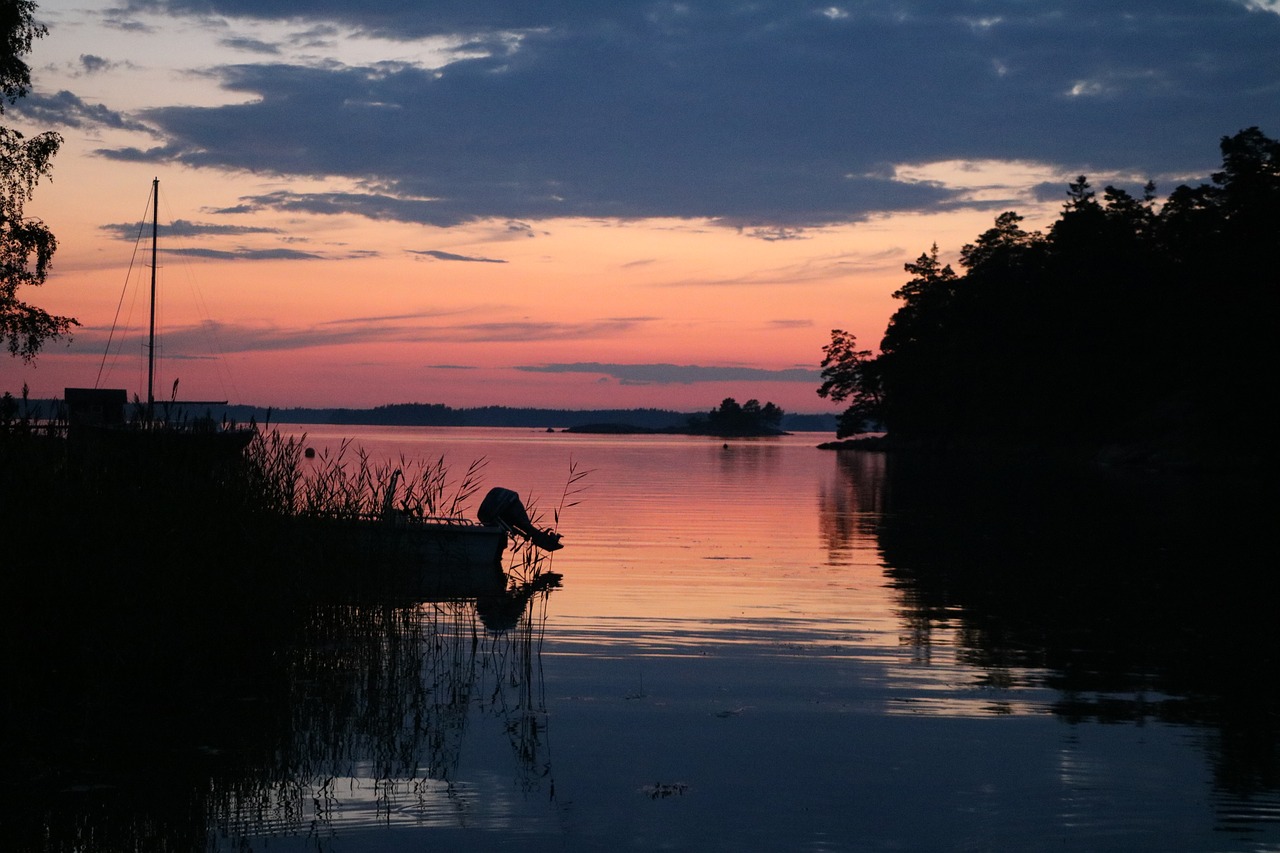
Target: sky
x=577, y=203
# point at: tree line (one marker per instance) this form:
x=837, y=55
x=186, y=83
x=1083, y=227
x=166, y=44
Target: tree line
x=733, y=418
x=1124, y=322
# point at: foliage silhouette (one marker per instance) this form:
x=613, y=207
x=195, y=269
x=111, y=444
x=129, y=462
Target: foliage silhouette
x=731, y=419
x=1123, y=326
x=26, y=244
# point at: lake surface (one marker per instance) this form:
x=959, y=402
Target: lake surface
x=754, y=645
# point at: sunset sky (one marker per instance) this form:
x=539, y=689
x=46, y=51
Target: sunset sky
x=579, y=203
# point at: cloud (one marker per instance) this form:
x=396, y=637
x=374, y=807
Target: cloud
x=419, y=327
x=185, y=228
x=277, y=254
x=819, y=268
x=121, y=19
x=770, y=116
x=65, y=109
x=450, y=256
x=678, y=374
x=513, y=229
x=378, y=206
x=252, y=45
x=775, y=234
x=530, y=331
x=92, y=64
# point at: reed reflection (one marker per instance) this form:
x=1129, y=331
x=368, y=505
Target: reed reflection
x=1131, y=595
x=381, y=702
x=225, y=734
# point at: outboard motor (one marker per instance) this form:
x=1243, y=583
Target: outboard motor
x=503, y=508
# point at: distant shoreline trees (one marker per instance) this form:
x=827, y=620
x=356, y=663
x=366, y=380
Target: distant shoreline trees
x=1123, y=323
x=730, y=419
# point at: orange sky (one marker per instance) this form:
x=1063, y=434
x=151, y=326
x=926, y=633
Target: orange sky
x=404, y=327
x=381, y=206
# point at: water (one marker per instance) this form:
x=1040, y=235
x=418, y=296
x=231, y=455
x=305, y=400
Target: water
x=760, y=645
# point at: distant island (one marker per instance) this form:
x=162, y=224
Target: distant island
x=631, y=429
x=728, y=420
x=617, y=421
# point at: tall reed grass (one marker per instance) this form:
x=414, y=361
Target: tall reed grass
x=151, y=589
x=348, y=483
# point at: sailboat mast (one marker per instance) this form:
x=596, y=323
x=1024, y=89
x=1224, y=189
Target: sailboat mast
x=151, y=337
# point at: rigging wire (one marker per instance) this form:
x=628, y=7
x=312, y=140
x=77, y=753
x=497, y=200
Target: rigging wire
x=115, y=321
x=206, y=324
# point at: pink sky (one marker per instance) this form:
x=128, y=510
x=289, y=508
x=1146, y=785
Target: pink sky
x=382, y=206
x=407, y=327
x=376, y=320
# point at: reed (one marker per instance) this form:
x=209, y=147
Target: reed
x=527, y=564
x=150, y=522
x=573, y=488
x=178, y=588
x=348, y=483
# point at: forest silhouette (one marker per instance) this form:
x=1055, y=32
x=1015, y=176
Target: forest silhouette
x=1126, y=329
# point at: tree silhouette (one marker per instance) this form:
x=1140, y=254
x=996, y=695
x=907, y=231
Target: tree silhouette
x=1122, y=323
x=731, y=418
x=849, y=373
x=26, y=244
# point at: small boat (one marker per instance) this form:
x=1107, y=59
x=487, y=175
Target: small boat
x=419, y=557
x=428, y=557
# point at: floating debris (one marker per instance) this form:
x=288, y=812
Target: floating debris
x=662, y=790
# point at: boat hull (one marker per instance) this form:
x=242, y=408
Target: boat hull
x=423, y=559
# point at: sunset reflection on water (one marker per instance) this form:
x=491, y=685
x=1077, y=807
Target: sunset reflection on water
x=762, y=645
x=684, y=547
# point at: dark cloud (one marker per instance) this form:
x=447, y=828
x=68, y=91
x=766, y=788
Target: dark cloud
x=120, y=19
x=405, y=328
x=372, y=205
x=183, y=228
x=92, y=64
x=450, y=256
x=678, y=374
x=277, y=254
x=530, y=331
x=776, y=234
x=251, y=45
x=136, y=155
x=771, y=115
x=66, y=110
x=519, y=229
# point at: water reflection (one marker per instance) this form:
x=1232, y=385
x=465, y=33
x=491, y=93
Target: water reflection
x=850, y=506
x=763, y=646
x=1135, y=597
x=341, y=717
x=381, y=702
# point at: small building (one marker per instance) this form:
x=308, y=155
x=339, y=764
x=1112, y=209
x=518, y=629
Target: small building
x=95, y=406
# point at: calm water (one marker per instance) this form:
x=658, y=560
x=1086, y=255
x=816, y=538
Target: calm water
x=763, y=646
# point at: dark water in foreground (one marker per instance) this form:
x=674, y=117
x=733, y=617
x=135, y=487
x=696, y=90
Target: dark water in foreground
x=755, y=646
